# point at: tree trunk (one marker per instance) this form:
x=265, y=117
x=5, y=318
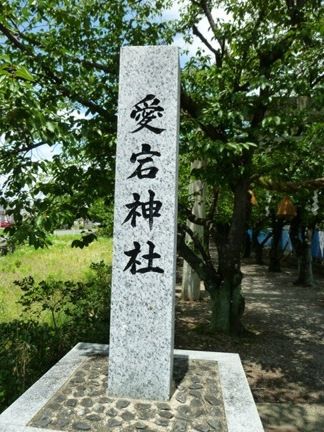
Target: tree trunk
x=258, y=249
x=247, y=246
x=228, y=306
x=220, y=305
x=257, y=246
x=228, y=302
x=224, y=284
x=305, y=267
x=275, y=252
x=190, y=279
x=301, y=239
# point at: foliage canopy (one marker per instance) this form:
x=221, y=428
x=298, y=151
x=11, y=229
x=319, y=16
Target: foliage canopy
x=251, y=110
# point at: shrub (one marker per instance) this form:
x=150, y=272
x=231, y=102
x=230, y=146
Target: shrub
x=85, y=305
x=28, y=347
x=27, y=350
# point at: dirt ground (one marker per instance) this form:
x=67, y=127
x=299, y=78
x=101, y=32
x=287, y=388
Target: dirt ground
x=283, y=357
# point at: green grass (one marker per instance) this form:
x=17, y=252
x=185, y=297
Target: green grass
x=59, y=261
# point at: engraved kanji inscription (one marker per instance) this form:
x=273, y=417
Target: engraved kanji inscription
x=148, y=210
x=150, y=257
x=145, y=111
x=145, y=168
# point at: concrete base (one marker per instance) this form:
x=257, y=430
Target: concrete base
x=240, y=409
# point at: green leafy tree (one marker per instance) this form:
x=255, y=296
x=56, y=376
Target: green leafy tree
x=241, y=104
x=71, y=50
x=298, y=173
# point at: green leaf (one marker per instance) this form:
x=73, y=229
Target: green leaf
x=50, y=126
x=22, y=72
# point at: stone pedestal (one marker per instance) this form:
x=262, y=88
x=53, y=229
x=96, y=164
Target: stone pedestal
x=219, y=401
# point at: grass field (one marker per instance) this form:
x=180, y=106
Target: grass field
x=59, y=261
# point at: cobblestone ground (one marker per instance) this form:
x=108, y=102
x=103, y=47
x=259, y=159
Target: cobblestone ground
x=82, y=403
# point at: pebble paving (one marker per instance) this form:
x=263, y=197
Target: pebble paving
x=83, y=403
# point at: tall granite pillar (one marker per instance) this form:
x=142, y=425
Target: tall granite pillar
x=144, y=256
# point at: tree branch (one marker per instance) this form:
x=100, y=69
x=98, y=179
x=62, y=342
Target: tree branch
x=317, y=80
x=212, y=210
x=205, y=7
x=279, y=186
x=13, y=39
x=26, y=149
x=205, y=273
x=295, y=11
x=267, y=237
x=260, y=111
x=194, y=110
x=198, y=245
x=57, y=80
x=189, y=105
x=195, y=219
x=216, y=53
x=86, y=63
x=192, y=259
x=237, y=86
x=267, y=58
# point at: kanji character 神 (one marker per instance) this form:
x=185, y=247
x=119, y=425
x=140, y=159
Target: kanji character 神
x=149, y=209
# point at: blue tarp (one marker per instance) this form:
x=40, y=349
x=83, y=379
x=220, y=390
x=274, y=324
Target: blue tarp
x=285, y=243
x=318, y=244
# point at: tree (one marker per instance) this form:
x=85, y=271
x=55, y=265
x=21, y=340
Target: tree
x=71, y=50
x=240, y=108
x=297, y=174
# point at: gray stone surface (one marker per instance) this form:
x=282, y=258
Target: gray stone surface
x=133, y=414
x=142, y=304
x=240, y=410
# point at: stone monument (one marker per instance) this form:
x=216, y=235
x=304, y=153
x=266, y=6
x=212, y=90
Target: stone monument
x=205, y=391
x=143, y=283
